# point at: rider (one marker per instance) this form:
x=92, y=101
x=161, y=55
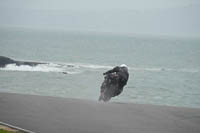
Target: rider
x=120, y=73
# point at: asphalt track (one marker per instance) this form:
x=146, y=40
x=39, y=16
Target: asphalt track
x=42, y=114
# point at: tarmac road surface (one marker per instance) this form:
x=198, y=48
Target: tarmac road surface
x=43, y=114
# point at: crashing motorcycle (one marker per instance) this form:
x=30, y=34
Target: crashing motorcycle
x=109, y=87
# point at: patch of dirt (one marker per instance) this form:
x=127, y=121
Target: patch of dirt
x=9, y=129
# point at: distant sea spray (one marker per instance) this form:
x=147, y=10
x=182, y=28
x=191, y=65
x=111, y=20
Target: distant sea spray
x=75, y=68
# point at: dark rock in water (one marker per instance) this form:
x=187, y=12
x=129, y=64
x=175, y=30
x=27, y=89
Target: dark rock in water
x=70, y=66
x=5, y=61
x=18, y=63
x=64, y=72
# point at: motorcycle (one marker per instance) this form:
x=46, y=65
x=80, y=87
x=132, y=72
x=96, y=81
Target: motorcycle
x=109, y=87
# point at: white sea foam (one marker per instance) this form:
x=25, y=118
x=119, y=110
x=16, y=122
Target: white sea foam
x=70, y=68
x=75, y=68
x=39, y=68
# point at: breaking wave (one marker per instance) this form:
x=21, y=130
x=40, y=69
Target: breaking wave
x=76, y=68
x=66, y=68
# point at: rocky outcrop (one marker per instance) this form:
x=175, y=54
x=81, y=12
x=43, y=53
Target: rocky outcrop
x=5, y=61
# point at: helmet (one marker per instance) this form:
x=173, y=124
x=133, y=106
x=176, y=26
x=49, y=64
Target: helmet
x=123, y=65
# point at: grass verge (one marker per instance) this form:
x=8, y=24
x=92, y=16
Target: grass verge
x=5, y=129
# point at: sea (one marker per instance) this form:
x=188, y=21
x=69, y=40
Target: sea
x=163, y=70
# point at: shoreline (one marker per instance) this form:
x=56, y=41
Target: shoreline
x=47, y=114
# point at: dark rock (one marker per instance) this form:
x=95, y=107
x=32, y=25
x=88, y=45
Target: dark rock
x=5, y=61
x=64, y=72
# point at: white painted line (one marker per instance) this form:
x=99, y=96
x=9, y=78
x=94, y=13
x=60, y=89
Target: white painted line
x=15, y=127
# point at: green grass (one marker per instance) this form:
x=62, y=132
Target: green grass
x=4, y=131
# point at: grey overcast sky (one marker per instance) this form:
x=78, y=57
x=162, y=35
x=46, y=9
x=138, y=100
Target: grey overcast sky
x=171, y=17
x=94, y=4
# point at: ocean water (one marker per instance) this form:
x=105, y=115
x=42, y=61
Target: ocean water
x=163, y=70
